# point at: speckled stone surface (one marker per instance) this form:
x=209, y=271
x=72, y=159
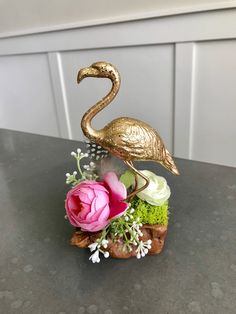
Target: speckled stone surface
x=41, y=273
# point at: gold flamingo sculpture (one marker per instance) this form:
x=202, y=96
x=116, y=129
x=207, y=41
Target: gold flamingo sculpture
x=126, y=138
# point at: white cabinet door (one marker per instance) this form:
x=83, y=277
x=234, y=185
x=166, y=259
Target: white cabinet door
x=214, y=103
x=26, y=97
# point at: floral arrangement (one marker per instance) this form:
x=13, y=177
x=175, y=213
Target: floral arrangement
x=107, y=221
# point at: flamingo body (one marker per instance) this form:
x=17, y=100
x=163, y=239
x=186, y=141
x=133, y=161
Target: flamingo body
x=127, y=138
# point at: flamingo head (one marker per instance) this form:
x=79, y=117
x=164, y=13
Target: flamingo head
x=98, y=69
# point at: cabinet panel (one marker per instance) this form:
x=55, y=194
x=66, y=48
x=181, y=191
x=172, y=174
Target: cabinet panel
x=26, y=97
x=214, y=108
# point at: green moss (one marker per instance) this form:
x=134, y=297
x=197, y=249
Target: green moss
x=150, y=214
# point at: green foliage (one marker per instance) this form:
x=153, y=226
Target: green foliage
x=88, y=174
x=127, y=178
x=150, y=214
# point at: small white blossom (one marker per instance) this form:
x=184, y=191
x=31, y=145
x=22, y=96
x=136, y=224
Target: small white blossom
x=78, y=150
x=93, y=246
x=143, y=248
x=73, y=154
x=95, y=257
x=104, y=242
x=106, y=254
x=67, y=174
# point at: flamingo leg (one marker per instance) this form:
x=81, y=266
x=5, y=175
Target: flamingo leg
x=136, y=172
x=135, y=177
x=136, y=181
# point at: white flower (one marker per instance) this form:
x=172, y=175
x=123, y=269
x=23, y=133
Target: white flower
x=92, y=165
x=106, y=254
x=93, y=246
x=143, y=248
x=157, y=191
x=104, y=243
x=95, y=257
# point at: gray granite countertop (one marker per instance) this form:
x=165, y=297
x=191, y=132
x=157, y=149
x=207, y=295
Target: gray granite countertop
x=41, y=273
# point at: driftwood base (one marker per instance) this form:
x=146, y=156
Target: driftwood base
x=156, y=233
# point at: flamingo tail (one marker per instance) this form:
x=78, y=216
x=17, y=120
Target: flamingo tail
x=169, y=164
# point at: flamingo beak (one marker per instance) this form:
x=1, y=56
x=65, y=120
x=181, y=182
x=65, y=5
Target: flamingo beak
x=87, y=72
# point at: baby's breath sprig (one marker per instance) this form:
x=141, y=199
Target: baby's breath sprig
x=87, y=174
x=142, y=248
x=125, y=228
x=99, y=246
x=71, y=178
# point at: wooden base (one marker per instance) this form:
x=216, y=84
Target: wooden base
x=156, y=233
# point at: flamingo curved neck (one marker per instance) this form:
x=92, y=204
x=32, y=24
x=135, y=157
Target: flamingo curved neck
x=86, y=126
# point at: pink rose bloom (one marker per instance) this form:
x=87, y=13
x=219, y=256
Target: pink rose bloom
x=91, y=205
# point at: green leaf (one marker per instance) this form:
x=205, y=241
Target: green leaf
x=127, y=178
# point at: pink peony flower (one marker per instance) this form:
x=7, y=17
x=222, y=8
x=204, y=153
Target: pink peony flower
x=91, y=205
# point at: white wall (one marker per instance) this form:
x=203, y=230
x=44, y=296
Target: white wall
x=28, y=16
x=178, y=74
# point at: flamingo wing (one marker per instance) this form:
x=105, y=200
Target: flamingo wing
x=133, y=139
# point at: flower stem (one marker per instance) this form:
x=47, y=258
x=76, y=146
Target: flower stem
x=78, y=166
